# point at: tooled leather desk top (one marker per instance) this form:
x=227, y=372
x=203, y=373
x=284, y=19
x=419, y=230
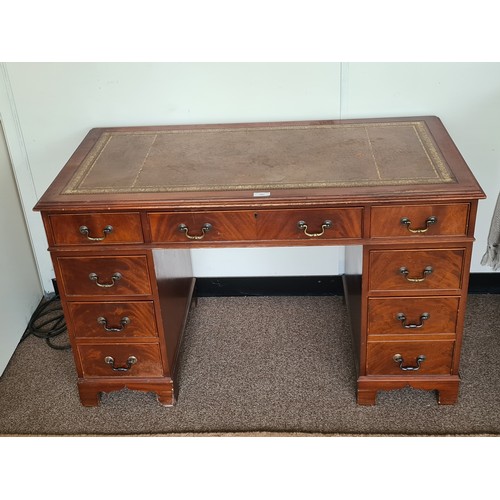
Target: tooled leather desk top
x=293, y=156
x=332, y=160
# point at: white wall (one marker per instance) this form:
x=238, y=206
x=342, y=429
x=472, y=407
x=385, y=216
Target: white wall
x=21, y=291
x=57, y=103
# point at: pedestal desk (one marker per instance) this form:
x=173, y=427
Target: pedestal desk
x=124, y=211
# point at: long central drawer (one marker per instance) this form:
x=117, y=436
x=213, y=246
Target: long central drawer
x=259, y=225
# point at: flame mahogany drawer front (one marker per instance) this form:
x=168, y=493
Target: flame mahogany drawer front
x=416, y=315
x=105, y=276
x=410, y=357
x=96, y=228
x=419, y=220
x=120, y=360
x=188, y=227
x=309, y=224
x=255, y=226
x=113, y=320
x=408, y=270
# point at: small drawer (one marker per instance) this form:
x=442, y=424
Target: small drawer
x=197, y=227
x=96, y=228
x=309, y=224
x=418, y=315
x=419, y=220
x=408, y=270
x=112, y=320
x=410, y=358
x=120, y=360
x=105, y=276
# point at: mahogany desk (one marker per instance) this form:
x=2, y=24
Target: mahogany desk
x=123, y=213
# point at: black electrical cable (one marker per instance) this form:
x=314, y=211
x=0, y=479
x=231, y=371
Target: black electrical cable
x=47, y=322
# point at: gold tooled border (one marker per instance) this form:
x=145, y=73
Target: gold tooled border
x=443, y=174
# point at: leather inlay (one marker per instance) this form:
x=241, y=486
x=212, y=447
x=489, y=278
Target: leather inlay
x=260, y=158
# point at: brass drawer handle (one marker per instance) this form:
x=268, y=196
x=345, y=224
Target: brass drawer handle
x=423, y=317
x=104, y=322
x=116, y=277
x=428, y=222
x=399, y=359
x=205, y=228
x=132, y=360
x=85, y=231
x=327, y=224
x=427, y=270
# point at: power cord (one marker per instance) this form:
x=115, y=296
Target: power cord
x=47, y=322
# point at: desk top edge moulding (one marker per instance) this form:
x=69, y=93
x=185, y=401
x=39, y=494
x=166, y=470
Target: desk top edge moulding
x=130, y=203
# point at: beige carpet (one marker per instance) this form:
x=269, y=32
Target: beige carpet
x=263, y=366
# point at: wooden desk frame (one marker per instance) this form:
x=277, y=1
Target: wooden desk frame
x=121, y=218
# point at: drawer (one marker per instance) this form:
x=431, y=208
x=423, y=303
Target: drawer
x=400, y=358
x=105, y=276
x=96, y=229
x=112, y=320
x=309, y=224
x=120, y=360
x=419, y=220
x=189, y=227
x=406, y=316
x=393, y=270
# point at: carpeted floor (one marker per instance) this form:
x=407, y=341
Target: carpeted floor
x=259, y=365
